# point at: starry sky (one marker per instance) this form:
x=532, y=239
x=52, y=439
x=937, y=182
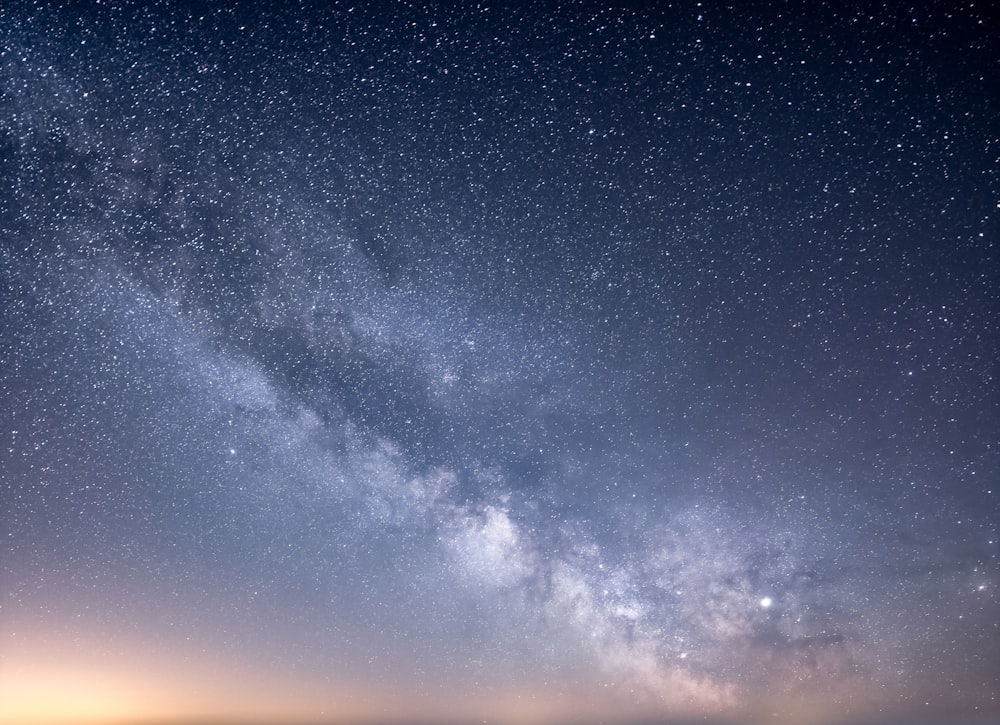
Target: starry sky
x=513, y=363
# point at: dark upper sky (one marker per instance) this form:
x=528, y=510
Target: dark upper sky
x=412, y=361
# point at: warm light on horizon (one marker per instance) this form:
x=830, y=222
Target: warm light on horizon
x=45, y=679
x=37, y=693
x=99, y=678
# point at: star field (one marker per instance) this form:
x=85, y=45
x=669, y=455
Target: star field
x=411, y=362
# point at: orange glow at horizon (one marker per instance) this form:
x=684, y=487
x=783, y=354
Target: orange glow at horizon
x=48, y=679
x=38, y=691
x=81, y=692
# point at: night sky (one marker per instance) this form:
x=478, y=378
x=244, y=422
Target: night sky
x=469, y=362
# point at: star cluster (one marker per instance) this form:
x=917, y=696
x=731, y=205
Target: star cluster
x=415, y=361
